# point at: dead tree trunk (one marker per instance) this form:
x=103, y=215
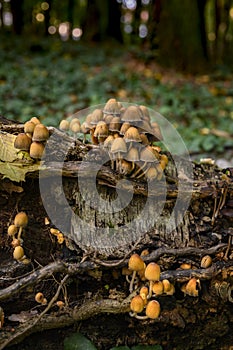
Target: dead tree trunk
x=83, y=266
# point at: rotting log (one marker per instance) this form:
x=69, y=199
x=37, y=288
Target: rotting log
x=85, y=271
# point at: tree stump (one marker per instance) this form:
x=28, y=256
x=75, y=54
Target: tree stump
x=84, y=267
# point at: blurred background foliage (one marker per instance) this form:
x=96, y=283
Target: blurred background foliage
x=58, y=57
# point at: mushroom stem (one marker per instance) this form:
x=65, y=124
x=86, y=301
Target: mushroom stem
x=139, y=170
x=20, y=232
x=143, y=173
x=150, y=289
x=132, y=281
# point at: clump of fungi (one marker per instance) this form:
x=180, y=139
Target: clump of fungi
x=146, y=279
x=33, y=139
x=15, y=231
x=127, y=134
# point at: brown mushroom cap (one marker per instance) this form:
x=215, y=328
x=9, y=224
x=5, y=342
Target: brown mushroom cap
x=39, y=297
x=137, y=304
x=22, y=142
x=132, y=135
x=75, y=127
x=21, y=219
x=153, y=309
x=152, y=272
x=75, y=121
x=36, y=150
x=115, y=124
x=156, y=133
x=101, y=129
x=112, y=107
x=64, y=125
x=145, y=112
x=40, y=133
x=135, y=263
x=191, y=287
x=118, y=146
x=35, y=120
x=132, y=114
x=29, y=127
x=108, y=118
x=132, y=155
x=124, y=127
x=108, y=142
x=12, y=230
x=96, y=116
x=147, y=155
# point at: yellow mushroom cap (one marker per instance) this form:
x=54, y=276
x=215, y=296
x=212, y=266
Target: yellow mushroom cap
x=191, y=287
x=166, y=285
x=21, y=219
x=64, y=125
x=144, y=291
x=206, y=261
x=136, y=263
x=18, y=253
x=12, y=230
x=157, y=288
x=35, y=120
x=39, y=297
x=29, y=127
x=153, y=309
x=152, y=272
x=137, y=304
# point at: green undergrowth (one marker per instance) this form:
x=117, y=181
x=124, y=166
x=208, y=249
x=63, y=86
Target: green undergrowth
x=53, y=79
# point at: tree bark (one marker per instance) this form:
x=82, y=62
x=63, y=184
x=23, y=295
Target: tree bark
x=85, y=270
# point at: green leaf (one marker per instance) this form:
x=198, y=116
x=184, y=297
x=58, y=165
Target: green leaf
x=7, y=151
x=17, y=171
x=77, y=341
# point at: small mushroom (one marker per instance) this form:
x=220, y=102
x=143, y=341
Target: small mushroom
x=115, y=125
x=148, y=158
x=37, y=150
x=152, y=274
x=190, y=288
x=22, y=142
x=64, y=125
x=132, y=115
x=101, y=131
x=75, y=127
x=15, y=242
x=124, y=127
x=206, y=261
x=96, y=116
x=18, y=253
x=21, y=221
x=132, y=156
x=157, y=288
x=135, y=264
x=118, y=149
x=153, y=309
x=12, y=230
x=60, y=304
x=144, y=291
x=112, y=107
x=40, y=134
x=131, y=136
x=136, y=305
x=39, y=298
x=29, y=128
x=35, y=120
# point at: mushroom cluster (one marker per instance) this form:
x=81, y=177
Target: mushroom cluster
x=15, y=231
x=146, y=277
x=33, y=139
x=127, y=134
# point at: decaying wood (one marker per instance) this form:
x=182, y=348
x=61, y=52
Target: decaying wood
x=90, y=263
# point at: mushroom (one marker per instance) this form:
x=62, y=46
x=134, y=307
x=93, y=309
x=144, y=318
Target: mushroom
x=64, y=125
x=206, y=261
x=22, y=142
x=131, y=136
x=101, y=131
x=185, y=266
x=39, y=298
x=75, y=127
x=133, y=115
x=16, y=242
x=148, y=158
x=144, y=291
x=12, y=230
x=21, y=221
x=152, y=274
x=112, y=107
x=168, y=288
x=156, y=134
x=124, y=127
x=40, y=134
x=115, y=125
x=35, y=120
x=157, y=288
x=145, y=113
x=132, y=156
x=18, y=253
x=136, y=305
x=118, y=149
x=151, y=173
x=135, y=264
x=153, y=309
x=190, y=288
x=96, y=116
x=29, y=128
x=126, y=167
x=37, y=150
